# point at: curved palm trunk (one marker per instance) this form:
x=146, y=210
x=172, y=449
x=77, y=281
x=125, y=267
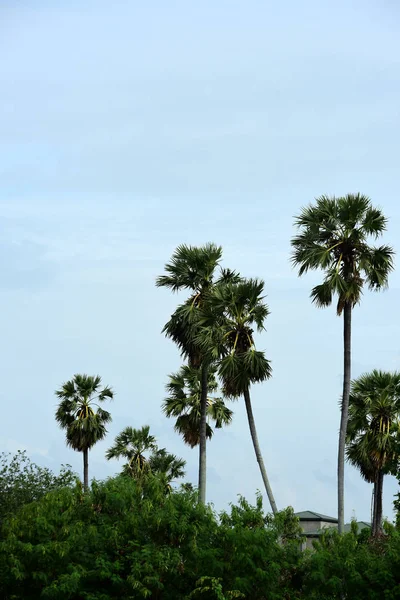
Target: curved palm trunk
x=253, y=432
x=86, y=469
x=203, y=435
x=345, y=410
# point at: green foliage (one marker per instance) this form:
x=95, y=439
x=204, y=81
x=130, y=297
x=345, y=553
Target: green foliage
x=22, y=481
x=353, y=567
x=126, y=540
x=211, y=588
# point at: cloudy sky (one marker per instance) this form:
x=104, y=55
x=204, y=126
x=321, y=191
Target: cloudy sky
x=127, y=128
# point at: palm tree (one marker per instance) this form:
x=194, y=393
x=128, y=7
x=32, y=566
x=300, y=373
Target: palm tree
x=193, y=268
x=237, y=308
x=372, y=431
x=76, y=414
x=167, y=465
x=184, y=399
x=132, y=444
x=334, y=237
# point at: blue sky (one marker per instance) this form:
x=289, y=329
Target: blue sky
x=130, y=127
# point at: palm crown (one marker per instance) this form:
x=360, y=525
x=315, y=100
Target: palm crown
x=76, y=412
x=373, y=426
x=334, y=235
x=236, y=310
x=183, y=402
x=192, y=268
x=132, y=444
x=169, y=466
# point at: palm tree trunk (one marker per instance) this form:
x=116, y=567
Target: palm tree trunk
x=373, y=515
x=253, y=432
x=374, y=496
x=378, y=512
x=86, y=469
x=345, y=410
x=203, y=435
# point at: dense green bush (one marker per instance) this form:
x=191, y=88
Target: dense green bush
x=128, y=539
x=355, y=567
x=22, y=481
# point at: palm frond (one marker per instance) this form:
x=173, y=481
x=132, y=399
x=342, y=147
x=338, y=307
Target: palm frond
x=191, y=267
x=377, y=263
x=373, y=425
x=168, y=465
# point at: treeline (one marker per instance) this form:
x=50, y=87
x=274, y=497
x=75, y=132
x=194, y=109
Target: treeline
x=128, y=538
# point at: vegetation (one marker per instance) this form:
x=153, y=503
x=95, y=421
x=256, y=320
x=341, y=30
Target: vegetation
x=126, y=538
x=23, y=482
x=333, y=237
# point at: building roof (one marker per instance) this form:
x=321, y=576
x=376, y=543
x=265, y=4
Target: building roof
x=310, y=515
x=347, y=528
x=360, y=526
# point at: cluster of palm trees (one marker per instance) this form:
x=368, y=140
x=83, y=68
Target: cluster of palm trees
x=214, y=328
x=79, y=413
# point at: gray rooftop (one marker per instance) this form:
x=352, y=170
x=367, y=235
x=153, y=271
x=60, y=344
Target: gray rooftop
x=360, y=526
x=310, y=515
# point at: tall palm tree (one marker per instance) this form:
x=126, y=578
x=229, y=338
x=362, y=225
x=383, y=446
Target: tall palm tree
x=238, y=308
x=184, y=400
x=132, y=444
x=84, y=426
x=372, y=431
x=194, y=268
x=333, y=237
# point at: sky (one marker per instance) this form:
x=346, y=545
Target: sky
x=127, y=128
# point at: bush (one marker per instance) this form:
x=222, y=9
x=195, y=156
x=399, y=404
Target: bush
x=22, y=481
x=126, y=539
